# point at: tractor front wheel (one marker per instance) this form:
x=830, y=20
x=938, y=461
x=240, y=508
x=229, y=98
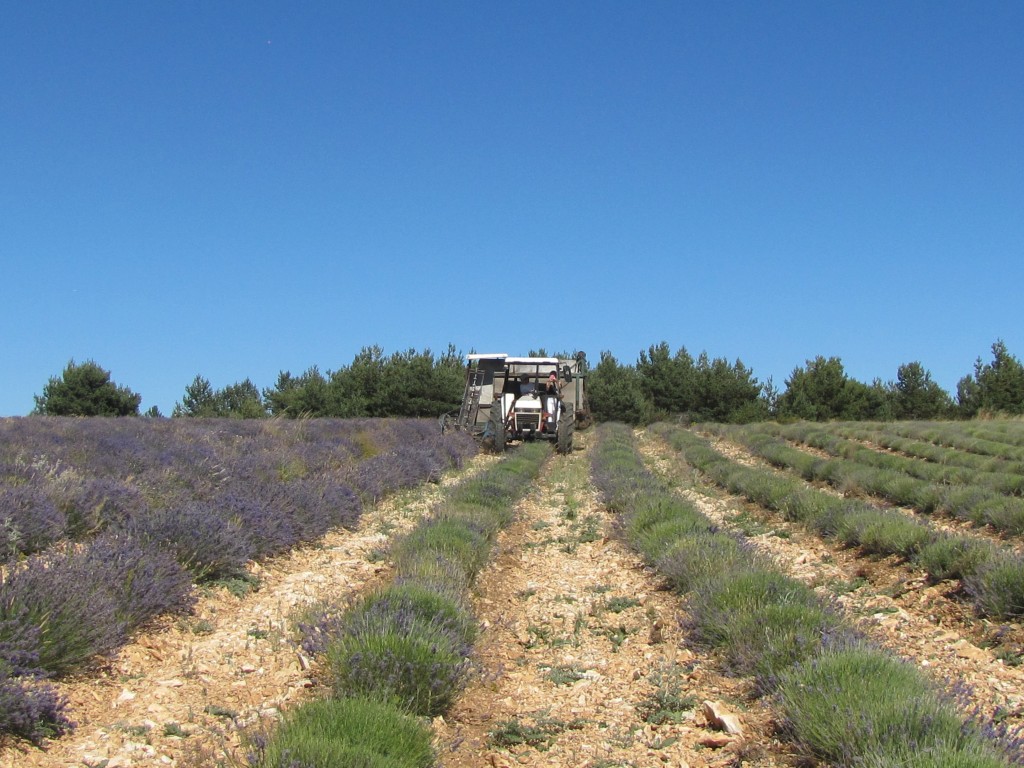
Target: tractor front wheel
x=565, y=429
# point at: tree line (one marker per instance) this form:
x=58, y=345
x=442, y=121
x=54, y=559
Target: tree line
x=660, y=384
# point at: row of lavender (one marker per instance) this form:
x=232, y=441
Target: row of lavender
x=106, y=523
x=840, y=698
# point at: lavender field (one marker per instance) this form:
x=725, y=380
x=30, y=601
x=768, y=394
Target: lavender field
x=107, y=523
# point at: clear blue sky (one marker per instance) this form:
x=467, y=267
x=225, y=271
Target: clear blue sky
x=235, y=189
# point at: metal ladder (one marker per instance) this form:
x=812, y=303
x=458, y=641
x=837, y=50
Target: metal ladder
x=471, y=399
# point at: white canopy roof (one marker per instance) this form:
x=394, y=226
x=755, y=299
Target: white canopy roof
x=516, y=360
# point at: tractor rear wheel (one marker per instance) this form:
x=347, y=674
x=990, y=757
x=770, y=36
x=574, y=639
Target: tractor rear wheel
x=565, y=429
x=494, y=439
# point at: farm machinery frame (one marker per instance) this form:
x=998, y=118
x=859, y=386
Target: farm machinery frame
x=522, y=398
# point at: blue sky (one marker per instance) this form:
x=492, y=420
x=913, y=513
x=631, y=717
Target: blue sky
x=236, y=189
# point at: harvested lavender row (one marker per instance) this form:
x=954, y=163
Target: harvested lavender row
x=992, y=576
x=981, y=497
x=843, y=700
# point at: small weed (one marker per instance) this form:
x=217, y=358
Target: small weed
x=218, y=711
x=623, y=737
x=747, y=524
x=600, y=588
x=515, y=733
x=377, y=555
x=202, y=627
x=541, y=543
x=240, y=585
x=258, y=634
x=617, y=635
x=845, y=587
x=572, y=504
x=540, y=525
x=660, y=743
x=566, y=674
x=668, y=703
x=579, y=624
x=889, y=609
x=1009, y=657
x=173, y=729
x=537, y=636
x=137, y=731
x=620, y=604
x=590, y=529
x=526, y=594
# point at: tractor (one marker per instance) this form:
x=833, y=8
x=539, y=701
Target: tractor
x=522, y=398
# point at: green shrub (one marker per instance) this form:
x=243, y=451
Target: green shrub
x=832, y=518
x=970, y=755
x=433, y=570
x=897, y=487
x=765, y=641
x=1002, y=513
x=960, y=501
x=848, y=705
x=354, y=732
x=952, y=557
x=888, y=533
x=657, y=508
x=411, y=601
x=764, y=488
x=416, y=663
x=451, y=539
x=805, y=504
x=499, y=487
x=719, y=602
x=486, y=521
x=689, y=561
x=997, y=586
x=656, y=540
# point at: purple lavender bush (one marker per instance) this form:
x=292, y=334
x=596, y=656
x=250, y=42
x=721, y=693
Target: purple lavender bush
x=29, y=521
x=30, y=708
x=74, y=614
x=156, y=503
x=145, y=580
x=208, y=544
x=94, y=504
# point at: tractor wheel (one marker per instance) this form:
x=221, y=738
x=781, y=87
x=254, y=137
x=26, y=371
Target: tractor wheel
x=495, y=430
x=566, y=427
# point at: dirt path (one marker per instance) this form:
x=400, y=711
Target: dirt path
x=578, y=647
x=178, y=695
x=899, y=611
